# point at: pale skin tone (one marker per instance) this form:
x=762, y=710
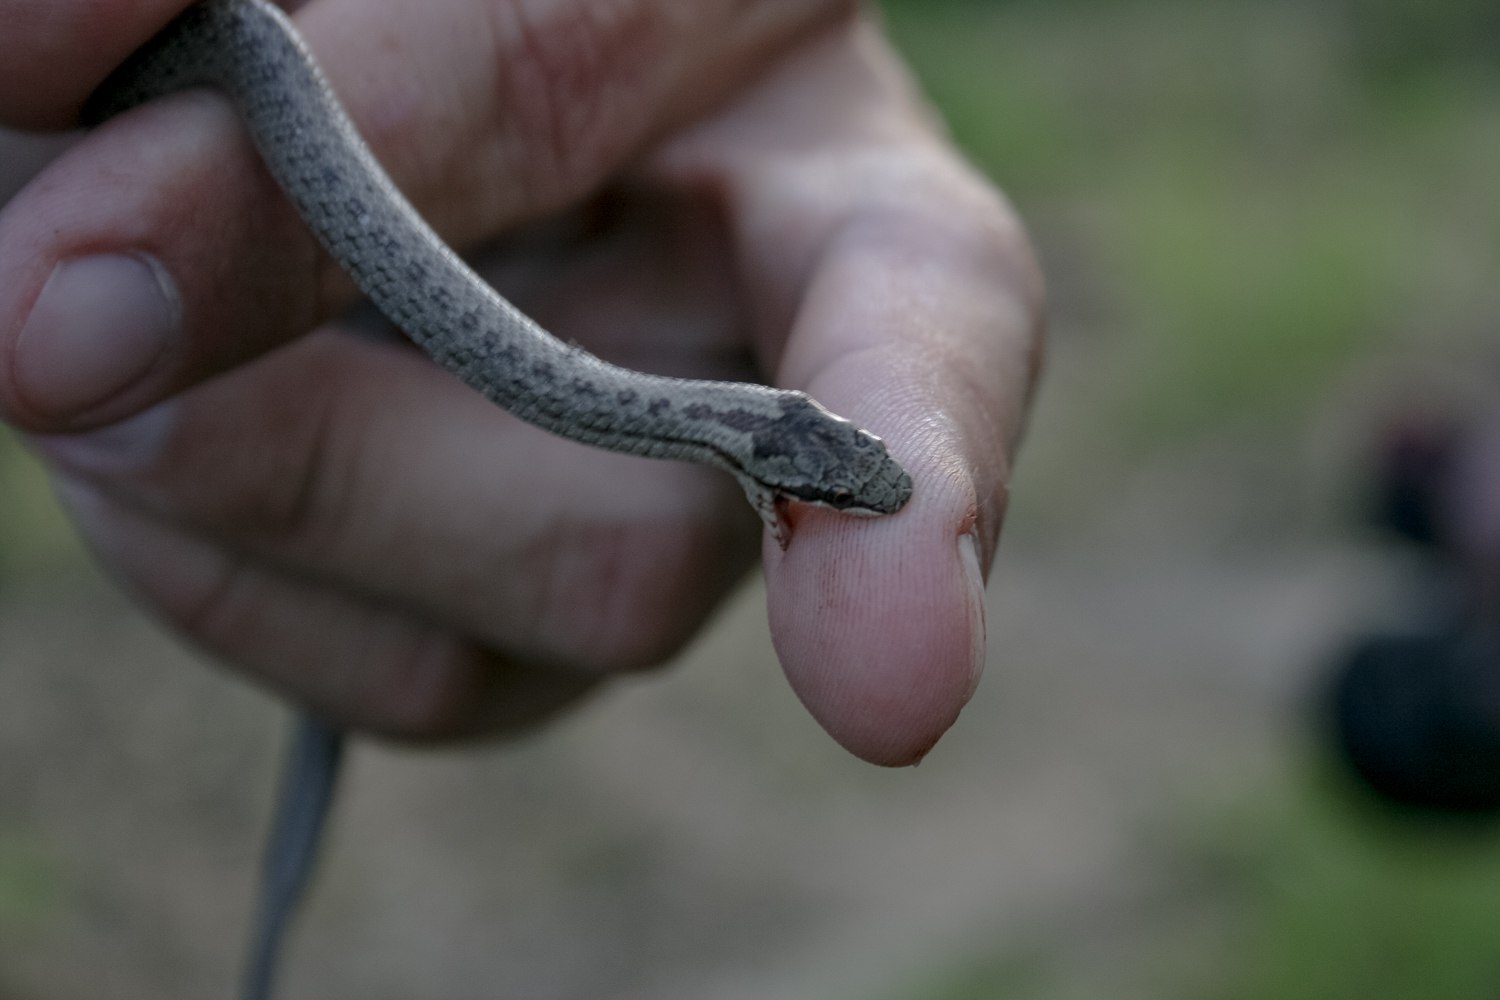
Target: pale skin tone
x=720, y=189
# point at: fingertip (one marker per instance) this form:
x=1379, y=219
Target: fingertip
x=152, y=255
x=880, y=624
x=99, y=324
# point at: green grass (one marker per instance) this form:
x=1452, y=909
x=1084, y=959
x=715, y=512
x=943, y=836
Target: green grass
x=1333, y=902
x=31, y=883
x=1311, y=896
x=34, y=536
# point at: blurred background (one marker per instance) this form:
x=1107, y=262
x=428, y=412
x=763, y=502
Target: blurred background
x=1272, y=236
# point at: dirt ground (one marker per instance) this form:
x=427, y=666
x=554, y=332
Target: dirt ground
x=692, y=834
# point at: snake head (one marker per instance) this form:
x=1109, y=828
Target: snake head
x=809, y=455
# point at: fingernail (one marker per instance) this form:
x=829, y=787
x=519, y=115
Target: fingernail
x=968, y=555
x=99, y=325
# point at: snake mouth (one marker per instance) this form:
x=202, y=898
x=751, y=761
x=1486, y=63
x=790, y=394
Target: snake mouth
x=850, y=511
x=843, y=501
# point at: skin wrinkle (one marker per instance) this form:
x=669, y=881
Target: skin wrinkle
x=643, y=593
x=319, y=500
x=313, y=481
x=309, y=509
x=557, y=65
x=590, y=569
x=379, y=681
x=428, y=688
x=11, y=388
x=431, y=688
x=401, y=673
x=330, y=521
x=541, y=624
x=583, y=112
x=214, y=609
x=191, y=609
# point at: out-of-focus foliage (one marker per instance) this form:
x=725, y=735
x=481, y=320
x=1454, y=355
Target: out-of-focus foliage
x=1334, y=905
x=1388, y=37
x=1237, y=203
x=33, y=535
x=31, y=884
x=1395, y=37
x=1234, y=199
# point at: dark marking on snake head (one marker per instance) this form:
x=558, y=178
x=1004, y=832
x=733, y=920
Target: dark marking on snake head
x=736, y=419
x=814, y=456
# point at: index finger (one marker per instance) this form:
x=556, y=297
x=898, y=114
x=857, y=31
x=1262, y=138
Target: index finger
x=915, y=309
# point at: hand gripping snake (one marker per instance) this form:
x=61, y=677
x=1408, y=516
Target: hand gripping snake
x=779, y=444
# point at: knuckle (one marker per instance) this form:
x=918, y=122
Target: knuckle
x=957, y=216
x=278, y=470
x=575, y=77
x=618, y=601
x=432, y=690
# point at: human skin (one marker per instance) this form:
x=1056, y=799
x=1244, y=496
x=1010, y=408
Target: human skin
x=737, y=190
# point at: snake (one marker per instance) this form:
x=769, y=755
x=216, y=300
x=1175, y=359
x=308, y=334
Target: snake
x=780, y=445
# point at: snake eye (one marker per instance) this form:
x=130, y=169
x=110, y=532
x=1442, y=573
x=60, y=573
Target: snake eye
x=840, y=497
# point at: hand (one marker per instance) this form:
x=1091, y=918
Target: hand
x=713, y=189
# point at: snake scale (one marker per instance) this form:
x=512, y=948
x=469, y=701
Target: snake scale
x=779, y=444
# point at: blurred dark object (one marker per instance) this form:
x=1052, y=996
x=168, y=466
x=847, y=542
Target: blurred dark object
x=1417, y=468
x=1415, y=713
x=1418, y=719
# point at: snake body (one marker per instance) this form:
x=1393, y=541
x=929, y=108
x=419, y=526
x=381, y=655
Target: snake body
x=779, y=444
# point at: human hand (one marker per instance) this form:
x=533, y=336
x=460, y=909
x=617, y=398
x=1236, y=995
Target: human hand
x=712, y=190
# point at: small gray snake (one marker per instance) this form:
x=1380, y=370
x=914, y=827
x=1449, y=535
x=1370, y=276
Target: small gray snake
x=779, y=444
